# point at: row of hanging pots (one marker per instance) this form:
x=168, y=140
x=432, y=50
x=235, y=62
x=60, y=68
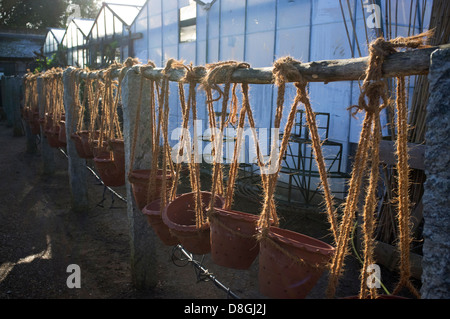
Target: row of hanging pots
x=230, y=237
x=179, y=216
x=82, y=143
x=55, y=132
x=109, y=159
x=110, y=162
x=234, y=245
x=139, y=180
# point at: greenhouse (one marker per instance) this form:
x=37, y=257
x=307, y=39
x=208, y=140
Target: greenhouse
x=75, y=40
x=53, y=41
x=108, y=39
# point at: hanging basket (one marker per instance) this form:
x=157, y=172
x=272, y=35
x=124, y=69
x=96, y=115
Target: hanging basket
x=139, y=183
x=233, y=241
x=153, y=214
x=179, y=216
x=87, y=146
x=46, y=122
x=62, y=132
x=118, y=149
x=79, y=145
x=109, y=173
x=52, y=135
x=290, y=264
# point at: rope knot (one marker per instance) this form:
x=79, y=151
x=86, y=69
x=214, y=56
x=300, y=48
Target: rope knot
x=285, y=69
x=221, y=72
x=191, y=73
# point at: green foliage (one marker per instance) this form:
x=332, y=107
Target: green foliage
x=58, y=59
x=41, y=14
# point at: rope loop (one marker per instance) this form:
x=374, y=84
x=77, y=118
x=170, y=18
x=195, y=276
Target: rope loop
x=284, y=69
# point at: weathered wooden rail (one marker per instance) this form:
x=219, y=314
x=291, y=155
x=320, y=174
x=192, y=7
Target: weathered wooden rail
x=415, y=62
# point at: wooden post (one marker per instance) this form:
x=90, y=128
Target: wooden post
x=143, y=241
x=436, y=200
x=7, y=100
x=77, y=166
x=15, y=91
x=47, y=152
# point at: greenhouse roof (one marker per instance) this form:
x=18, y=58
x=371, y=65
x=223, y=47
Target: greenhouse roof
x=84, y=25
x=124, y=12
x=58, y=33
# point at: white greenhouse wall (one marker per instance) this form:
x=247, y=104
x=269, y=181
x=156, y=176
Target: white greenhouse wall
x=261, y=31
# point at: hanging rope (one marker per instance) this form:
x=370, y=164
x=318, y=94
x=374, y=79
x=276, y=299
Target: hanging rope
x=209, y=83
x=374, y=89
x=167, y=164
x=283, y=69
x=110, y=127
x=403, y=193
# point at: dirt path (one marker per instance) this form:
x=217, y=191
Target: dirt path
x=40, y=237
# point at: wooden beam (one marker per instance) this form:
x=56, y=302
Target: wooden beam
x=415, y=62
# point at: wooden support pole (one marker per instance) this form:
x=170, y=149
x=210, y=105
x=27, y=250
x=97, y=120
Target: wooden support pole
x=47, y=152
x=15, y=92
x=77, y=166
x=7, y=100
x=144, y=243
x=436, y=200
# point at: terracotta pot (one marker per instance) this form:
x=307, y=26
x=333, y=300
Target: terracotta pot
x=62, y=132
x=280, y=276
x=46, y=122
x=52, y=135
x=118, y=149
x=79, y=145
x=100, y=151
x=233, y=241
x=108, y=171
x=179, y=216
x=153, y=214
x=139, y=183
x=84, y=135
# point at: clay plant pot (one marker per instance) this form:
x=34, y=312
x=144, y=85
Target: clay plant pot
x=179, y=216
x=62, y=132
x=233, y=241
x=79, y=146
x=139, y=183
x=153, y=214
x=46, y=122
x=88, y=148
x=52, y=135
x=290, y=264
x=107, y=170
x=118, y=149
